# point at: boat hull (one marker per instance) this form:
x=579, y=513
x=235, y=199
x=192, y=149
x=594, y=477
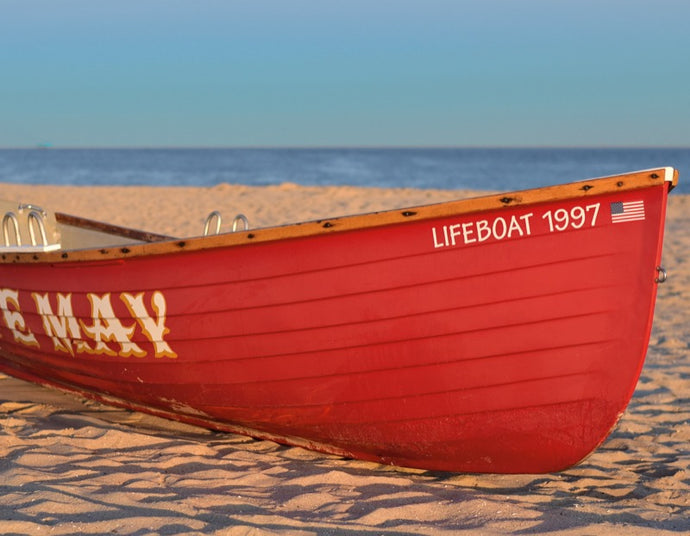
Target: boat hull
x=496, y=340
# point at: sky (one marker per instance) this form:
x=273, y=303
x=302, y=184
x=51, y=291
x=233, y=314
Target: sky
x=224, y=73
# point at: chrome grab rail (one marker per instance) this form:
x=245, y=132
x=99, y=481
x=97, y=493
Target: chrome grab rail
x=11, y=217
x=240, y=218
x=215, y=216
x=36, y=226
x=37, y=217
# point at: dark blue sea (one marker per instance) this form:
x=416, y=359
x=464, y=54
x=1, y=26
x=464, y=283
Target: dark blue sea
x=445, y=168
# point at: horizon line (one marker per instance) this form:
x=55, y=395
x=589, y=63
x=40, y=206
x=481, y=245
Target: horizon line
x=50, y=147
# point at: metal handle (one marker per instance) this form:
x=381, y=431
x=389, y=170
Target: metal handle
x=11, y=217
x=662, y=276
x=29, y=206
x=240, y=218
x=213, y=215
x=37, y=217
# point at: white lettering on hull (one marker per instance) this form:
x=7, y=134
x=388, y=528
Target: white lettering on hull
x=483, y=230
x=102, y=333
x=479, y=231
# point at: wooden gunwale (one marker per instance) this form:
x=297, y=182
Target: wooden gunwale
x=156, y=244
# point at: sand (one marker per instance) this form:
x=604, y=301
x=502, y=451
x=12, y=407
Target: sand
x=70, y=466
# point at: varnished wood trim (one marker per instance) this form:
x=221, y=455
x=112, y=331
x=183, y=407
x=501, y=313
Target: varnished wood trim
x=161, y=245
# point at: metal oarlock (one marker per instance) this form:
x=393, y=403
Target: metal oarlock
x=239, y=220
x=215, y=215
x=10, y=217
x=37, y=217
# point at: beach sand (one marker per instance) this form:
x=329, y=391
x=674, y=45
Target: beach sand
x=70, y=466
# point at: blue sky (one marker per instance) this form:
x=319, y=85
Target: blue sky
x=335, y=73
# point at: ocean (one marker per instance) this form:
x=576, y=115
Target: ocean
x=502, y=169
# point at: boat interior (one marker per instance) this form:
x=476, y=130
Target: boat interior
x=29, y=228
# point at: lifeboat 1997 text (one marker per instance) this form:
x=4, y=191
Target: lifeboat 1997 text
x=498, y=228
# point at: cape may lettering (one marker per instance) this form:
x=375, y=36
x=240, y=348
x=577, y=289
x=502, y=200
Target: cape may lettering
x=103, y=333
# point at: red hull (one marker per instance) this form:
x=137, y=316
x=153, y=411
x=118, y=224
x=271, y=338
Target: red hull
x=455, y=337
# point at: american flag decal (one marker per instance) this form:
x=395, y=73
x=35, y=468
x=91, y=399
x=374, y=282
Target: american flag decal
x=627, y=211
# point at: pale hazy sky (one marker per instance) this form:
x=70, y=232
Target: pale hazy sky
x=344, y=73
